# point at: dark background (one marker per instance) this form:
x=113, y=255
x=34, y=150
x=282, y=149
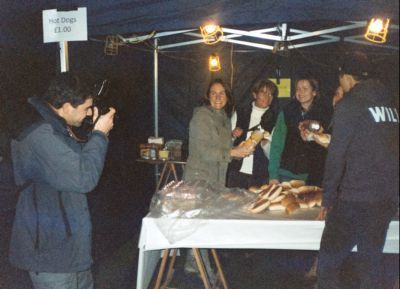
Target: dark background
x=124, y=191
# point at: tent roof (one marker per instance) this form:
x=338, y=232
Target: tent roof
x=22, y=19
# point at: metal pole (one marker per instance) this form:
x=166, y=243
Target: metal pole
x=155, y=96
x=64, y=63
x=156, y=87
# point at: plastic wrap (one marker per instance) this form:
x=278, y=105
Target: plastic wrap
x=186, y=200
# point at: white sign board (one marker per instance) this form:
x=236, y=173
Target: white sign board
x=64, y=25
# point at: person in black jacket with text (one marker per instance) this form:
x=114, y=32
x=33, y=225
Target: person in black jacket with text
x=361, y=181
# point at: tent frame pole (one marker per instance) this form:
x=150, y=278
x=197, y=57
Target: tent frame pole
x=64, y=60
x=155, y=98
x=155, y=87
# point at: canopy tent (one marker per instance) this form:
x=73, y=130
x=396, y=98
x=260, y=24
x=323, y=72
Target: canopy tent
x=127, y=16
x=21, y=20
x=27, y=64
x=173, y=25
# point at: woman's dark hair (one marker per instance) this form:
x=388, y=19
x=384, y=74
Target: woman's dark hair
x=229, y=104
x=313, y=82
x=68, y=87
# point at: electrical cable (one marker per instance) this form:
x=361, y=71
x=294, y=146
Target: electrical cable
x=232, y=67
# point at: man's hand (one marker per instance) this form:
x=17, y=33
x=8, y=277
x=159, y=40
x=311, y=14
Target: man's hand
x=323, y=212
x=237, y=132
x=105, y=122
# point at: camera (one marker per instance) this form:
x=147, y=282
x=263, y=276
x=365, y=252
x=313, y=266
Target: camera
x=100, y=100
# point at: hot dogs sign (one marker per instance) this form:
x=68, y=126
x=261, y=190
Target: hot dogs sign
x=61, y=26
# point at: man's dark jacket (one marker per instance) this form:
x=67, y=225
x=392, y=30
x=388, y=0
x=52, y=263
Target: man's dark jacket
x=363, y=157
x=52, y=228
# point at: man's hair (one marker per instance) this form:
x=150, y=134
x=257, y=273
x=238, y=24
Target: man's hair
x=68, y=87
x=259, y=85
x=355, y=63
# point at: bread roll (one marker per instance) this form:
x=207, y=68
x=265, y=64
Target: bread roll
x=286, y=185
x=292, y=207
x=273, y=193
x=307, y=189
x=311, y=203
x=266, y=186
x=297, y=183
x=294, y=191
x=288, y=200
x=259, y=206
x=318, y=198
x=278, y=199
x=231, y=196
x=303, y=204
x=276, y=207
x=255, y=189
x=265, y=193
x=312, y=199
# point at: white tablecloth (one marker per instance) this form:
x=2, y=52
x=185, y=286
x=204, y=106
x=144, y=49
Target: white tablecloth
x=273, y=230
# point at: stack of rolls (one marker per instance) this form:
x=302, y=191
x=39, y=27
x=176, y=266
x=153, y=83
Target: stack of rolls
x=286, y=196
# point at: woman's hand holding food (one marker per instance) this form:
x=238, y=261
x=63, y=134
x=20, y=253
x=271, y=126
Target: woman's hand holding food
x=242, y=150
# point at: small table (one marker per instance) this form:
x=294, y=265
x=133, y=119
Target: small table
x=168, y=170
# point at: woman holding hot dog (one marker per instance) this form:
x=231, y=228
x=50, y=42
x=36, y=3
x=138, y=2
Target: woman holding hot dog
x=210, y=150
x=210, y=140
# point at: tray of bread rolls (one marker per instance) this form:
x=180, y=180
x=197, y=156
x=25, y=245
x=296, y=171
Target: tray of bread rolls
x=286, y=196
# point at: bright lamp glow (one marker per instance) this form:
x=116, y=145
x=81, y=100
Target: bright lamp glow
x=211, y=33
x=210, y=28
x=213, y=63
x=377, y=30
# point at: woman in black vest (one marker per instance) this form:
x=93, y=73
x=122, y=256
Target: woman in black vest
x=263, y=111
x=291, y=157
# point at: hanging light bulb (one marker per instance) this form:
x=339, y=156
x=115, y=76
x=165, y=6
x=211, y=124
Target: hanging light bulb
x=211, y=33
x=211, y=28
x=377, y=30
x=213, y=63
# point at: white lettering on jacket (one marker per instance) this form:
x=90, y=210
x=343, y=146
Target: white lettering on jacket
x=384, y=114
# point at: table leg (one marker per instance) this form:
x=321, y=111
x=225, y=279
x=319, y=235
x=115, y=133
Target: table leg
x=200, y=265
x=170, y=271
x=168, y=174
x=219, y=268
x=160, y=181
x=174, y=171
x=162, y=269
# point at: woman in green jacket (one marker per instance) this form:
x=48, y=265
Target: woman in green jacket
x=210, y=139
x=291, y=157
x=210, y=151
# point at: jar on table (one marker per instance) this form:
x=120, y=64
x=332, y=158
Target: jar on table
x=153, y=151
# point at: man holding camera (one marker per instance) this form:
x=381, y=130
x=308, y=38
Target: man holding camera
x=51, y=235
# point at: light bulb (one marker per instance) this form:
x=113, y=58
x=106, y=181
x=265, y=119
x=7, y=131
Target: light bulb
x=376, y=26
x=210, y=28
